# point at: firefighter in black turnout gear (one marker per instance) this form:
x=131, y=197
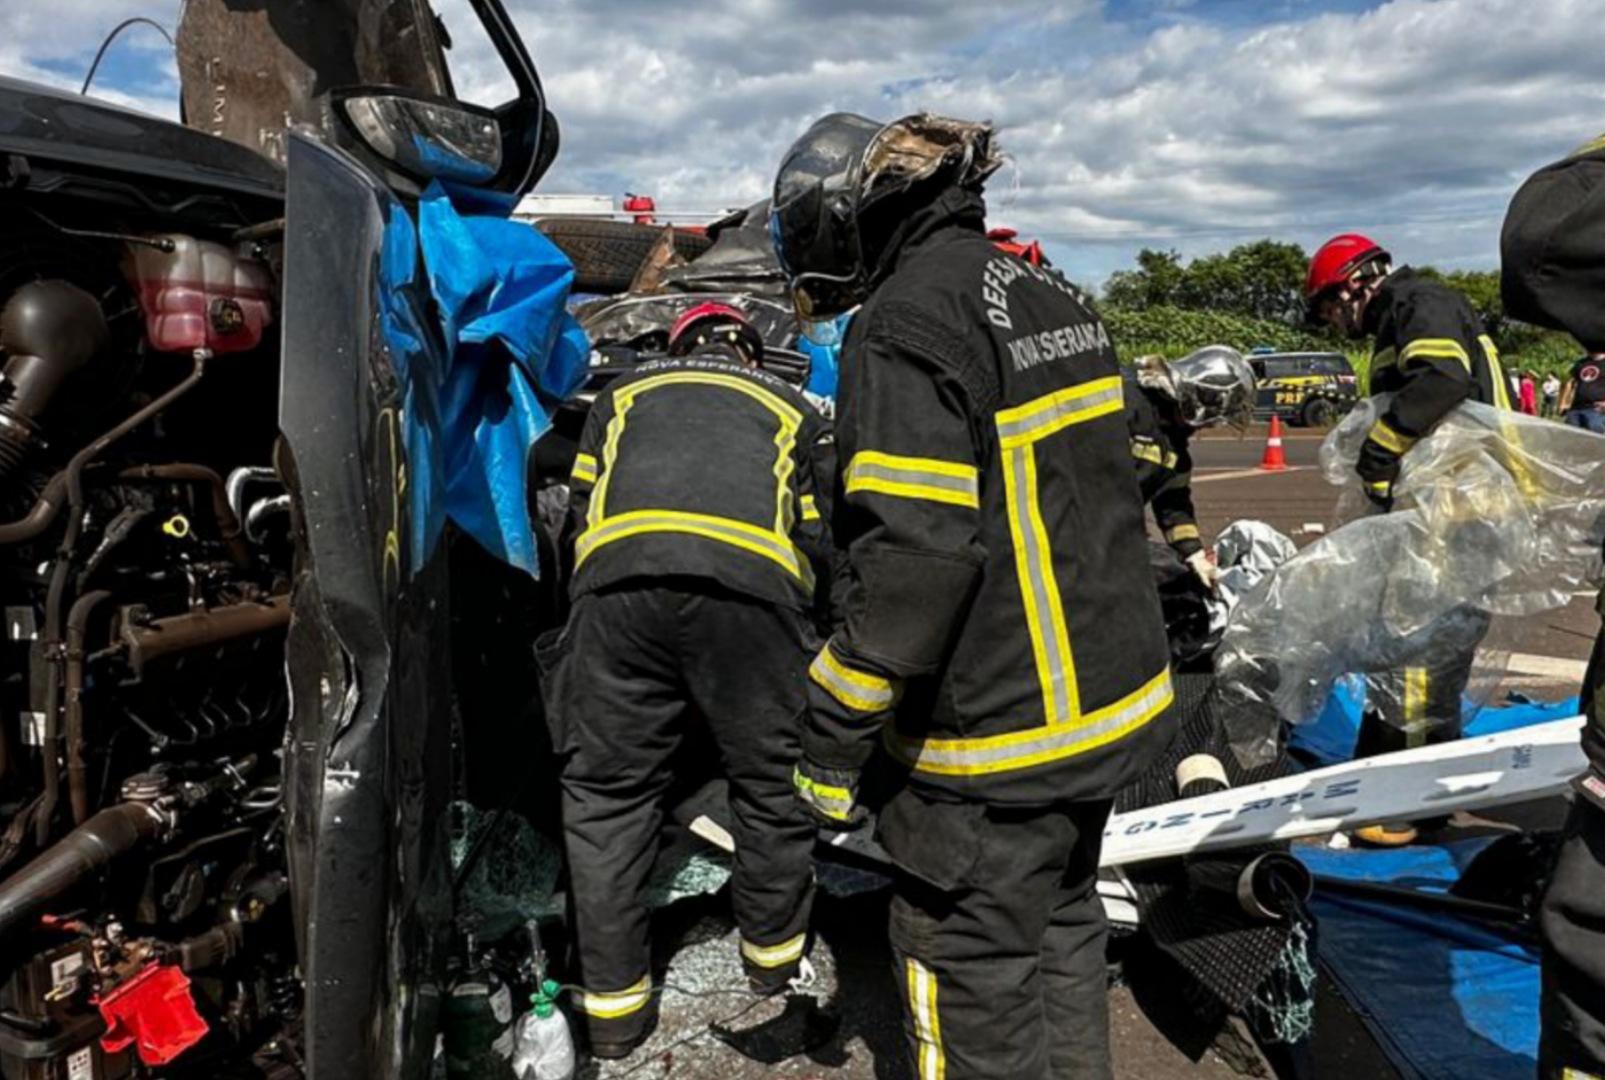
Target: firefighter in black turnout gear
x=1553, y=272
x=697, y=535
x=1166, y=403
x=1003, y=640
x=1431, y=352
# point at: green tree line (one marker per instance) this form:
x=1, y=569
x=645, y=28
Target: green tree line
x=1252, y=295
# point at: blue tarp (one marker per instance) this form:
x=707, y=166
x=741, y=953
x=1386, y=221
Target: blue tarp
x=501, y=290
x=1330, y=739
x=1445, y=998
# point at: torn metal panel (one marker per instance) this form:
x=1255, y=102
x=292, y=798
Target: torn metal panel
x=250, y=72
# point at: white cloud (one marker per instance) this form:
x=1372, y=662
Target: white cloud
x=1415, y=119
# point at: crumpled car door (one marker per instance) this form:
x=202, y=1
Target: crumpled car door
x=368, y=753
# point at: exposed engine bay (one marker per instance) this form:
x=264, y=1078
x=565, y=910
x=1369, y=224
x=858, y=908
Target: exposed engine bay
x=146, y=551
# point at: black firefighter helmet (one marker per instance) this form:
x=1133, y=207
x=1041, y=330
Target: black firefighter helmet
x=833, y=179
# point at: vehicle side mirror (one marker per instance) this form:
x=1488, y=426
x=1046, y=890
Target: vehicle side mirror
x=425, y=138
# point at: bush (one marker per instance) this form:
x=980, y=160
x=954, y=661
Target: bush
x=1175, y=331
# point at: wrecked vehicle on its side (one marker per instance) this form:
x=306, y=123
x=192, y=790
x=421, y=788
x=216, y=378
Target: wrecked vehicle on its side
x=220, y=424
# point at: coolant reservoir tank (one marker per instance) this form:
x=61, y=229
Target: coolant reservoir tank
x=200, y=294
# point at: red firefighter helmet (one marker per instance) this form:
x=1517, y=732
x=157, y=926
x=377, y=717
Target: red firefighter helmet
x=1337, y=260
x=710, y=322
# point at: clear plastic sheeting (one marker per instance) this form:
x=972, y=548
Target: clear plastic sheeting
x=1495, y=513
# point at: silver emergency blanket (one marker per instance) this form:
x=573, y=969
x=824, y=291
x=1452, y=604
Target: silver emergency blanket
x=1246, y=552
x=1495, y=513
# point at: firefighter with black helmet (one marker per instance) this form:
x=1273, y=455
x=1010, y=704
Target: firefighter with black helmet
x=1553, y=275
x=1003, y=640
x=1431, y=352
x=1167, y=402
x=696, y=530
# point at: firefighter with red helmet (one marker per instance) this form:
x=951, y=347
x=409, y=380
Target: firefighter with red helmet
x=715, y=329
x=1430, y=352
x=696, y=532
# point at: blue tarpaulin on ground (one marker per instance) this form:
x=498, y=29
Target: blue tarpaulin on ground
x=1446, y=998
x=501, y=289
x=1330, y=739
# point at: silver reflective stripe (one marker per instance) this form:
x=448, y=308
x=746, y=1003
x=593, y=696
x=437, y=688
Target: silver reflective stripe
x=1035, y=578
x=865, y=695
x=1051, y=744
x=1059, y=412
x=869, y=470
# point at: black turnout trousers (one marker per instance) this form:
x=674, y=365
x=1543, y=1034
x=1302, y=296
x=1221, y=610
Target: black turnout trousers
x=998, y=938
x=1572, y=920
x=1419, y=702
x=1572, y=917
x=633, y=663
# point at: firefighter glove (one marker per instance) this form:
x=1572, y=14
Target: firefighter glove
x=1379, y=470
x=1204, y=569
x=832, y=794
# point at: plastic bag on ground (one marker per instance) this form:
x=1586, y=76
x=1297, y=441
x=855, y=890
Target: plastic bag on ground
x=1495, y=513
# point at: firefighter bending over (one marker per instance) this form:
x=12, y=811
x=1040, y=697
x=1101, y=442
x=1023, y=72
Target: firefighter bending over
x=697, y=534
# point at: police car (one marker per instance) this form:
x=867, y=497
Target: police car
x=1306, y=389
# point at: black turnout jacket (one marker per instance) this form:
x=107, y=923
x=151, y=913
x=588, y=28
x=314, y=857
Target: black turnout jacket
x=702, y=467
x=1002, y=636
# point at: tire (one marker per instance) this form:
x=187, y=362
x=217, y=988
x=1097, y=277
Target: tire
x=1318, y=413
x=608, y=254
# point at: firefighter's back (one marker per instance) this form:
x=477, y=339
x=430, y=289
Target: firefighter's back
x=1058, y=685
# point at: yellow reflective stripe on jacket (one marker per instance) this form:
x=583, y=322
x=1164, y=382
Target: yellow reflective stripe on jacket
x=775, y=956
x=1435, y=349
x=833, y=802
x=1154, y=453
x=617, y=1003
x=790, y=419
x=1040, y=418
x=1039, y=586
x=1181, y=532
x=953, y=482
x=1384, y=435
x=584, y=471
x=1019, y=430
x=930, y=1058
x=739, y=534
x=1496, y=372
x=1039, y=745
x=858, y=690
x=810, y=509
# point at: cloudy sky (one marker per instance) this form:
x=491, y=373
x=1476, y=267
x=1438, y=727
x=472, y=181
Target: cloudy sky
x=1193, y=124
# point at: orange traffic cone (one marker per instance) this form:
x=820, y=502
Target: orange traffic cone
x=1274, y=460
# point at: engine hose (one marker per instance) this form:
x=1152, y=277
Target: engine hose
x=77, y=627
x=55, y=595
x=82, y=853
x=228, y=523
x=66, y=487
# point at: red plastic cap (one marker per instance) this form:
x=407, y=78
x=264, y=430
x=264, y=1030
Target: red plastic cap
x=1337, y=260
x=155, y=1013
